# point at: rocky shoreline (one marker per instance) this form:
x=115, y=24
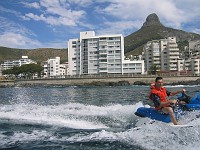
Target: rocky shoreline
x=99, y=82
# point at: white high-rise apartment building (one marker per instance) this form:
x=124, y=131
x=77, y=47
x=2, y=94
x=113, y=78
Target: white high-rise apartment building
x=99, y=55
x=173, y=54
x=95, y=54
x=163, y=53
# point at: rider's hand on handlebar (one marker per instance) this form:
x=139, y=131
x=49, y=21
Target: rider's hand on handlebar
x=173, y=101
x=183, y=90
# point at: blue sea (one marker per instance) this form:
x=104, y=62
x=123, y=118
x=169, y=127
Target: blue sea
x=89, y=118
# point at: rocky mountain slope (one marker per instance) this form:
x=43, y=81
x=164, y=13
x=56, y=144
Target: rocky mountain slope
x=153, y=29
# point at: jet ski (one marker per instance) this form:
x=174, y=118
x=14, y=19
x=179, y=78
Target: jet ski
x=192, y=103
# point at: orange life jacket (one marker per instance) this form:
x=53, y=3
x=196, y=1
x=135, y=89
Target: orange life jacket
x=161, y=93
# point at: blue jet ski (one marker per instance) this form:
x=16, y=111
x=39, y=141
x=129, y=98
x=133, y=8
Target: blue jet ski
x=179, y=109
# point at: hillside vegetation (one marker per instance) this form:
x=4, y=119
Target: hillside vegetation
x=39, y=55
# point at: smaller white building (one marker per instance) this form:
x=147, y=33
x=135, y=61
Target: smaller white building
x=8, y=64
x=53, y=67
x=63, y=70
x=44, y=64
x=1, y=68
x=195, y=65
x=194, y=47
x=133, y=66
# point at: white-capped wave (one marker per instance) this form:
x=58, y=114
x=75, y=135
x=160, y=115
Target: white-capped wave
x=71, y=115
x=151, y=135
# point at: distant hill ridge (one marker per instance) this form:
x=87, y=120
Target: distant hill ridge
x=152, y=29
x=39, y=55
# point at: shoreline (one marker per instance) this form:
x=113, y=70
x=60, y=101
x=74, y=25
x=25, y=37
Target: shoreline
x=114, y=81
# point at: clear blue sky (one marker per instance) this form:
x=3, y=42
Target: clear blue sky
x=51, y=23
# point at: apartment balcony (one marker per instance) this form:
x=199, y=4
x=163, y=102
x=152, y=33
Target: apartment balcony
x=102, y=40
x=93, y=59
x=173, y=58
x=173, y=65
x=173, y=69
x=172, y=61
x=156, y=59
x=196, y=68
x=103, y=62
x=156, y=63
x=173, y=53
x=102, y=51
x=111, y=57
x=103, y=55
x=103, y=59
x=102, y=67
x=92, y=42
x=172, y=44
x=103, y=71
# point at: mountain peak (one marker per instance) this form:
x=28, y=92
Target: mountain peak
x=152, y=20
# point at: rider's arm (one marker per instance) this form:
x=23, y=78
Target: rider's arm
x=177, y=92
x=158, y=103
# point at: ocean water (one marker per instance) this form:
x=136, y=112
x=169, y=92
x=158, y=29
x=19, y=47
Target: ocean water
x=89, y=118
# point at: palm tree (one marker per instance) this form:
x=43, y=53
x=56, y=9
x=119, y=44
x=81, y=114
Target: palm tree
x=154, y=69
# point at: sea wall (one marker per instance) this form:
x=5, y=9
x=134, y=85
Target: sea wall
x=106, y=81
x=7, y=83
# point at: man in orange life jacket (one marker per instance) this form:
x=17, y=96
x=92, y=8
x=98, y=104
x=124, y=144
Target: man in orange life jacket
x=159, y=97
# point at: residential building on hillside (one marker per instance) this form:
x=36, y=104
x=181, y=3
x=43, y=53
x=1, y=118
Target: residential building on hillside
x=194, y=47
x=9, y=64
x=192, y=59
x=173, y=55
x=195, y=66
x=91, y=54
x=186, y=54
x=163, y=53
x=1, y=68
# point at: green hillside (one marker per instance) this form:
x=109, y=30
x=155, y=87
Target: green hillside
x=10, y=53
x=43, y=54
x=38, y=55
x=134, y=42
